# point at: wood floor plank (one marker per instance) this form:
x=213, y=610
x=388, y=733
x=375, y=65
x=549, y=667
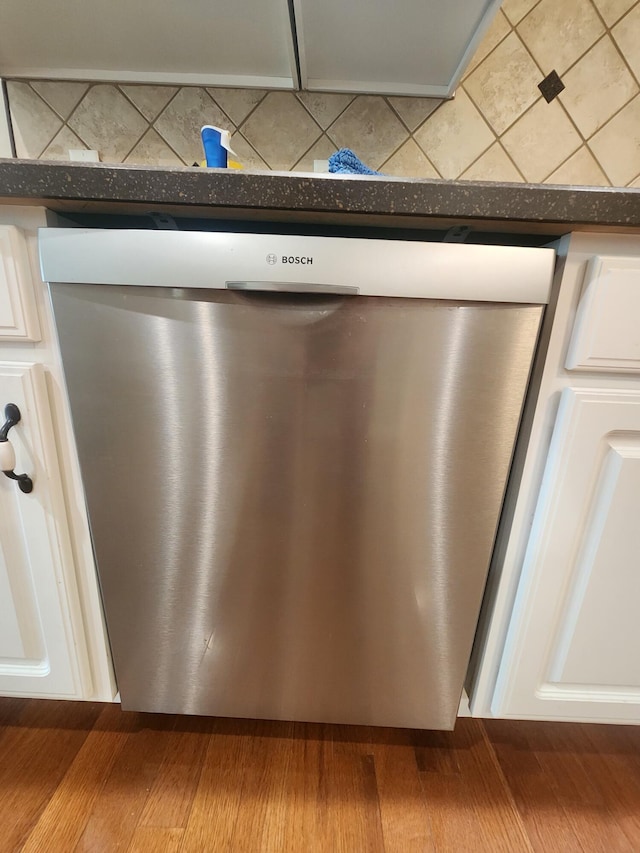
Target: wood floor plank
x=403, y=811
x=563, y=752
x=171, y=795
x=152, y=839
x=349, y=811
x=302, y=815
x=117, y=808
x=216, y=802
x=349, y=815
x=38, y=744
x=472, y=809
x=611, y=757
x=263, y=804
x=435, y=753
x=63, y=820
x=10, y=709
x=543, y=816
x=403, y=814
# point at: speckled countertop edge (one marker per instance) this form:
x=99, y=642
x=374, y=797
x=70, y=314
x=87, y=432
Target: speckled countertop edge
x=37, y=180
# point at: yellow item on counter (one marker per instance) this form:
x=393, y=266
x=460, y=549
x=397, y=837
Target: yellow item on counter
x=231, y=164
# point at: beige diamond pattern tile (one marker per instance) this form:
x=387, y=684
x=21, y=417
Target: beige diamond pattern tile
x=320, y=150
x=581, y=169
x=280, y=130
x=106, y=122
x=493, y=165
x=515, y=10
x=61, y=95
x=613, y=10
x=627, y=35
x=34, y=123
x=409, y=162
x=413, y=111
x=58, y=148
x=541, y=140
x=505, y=84
x=370, y=128
x=152, y=150
x=596, y=87
x=457, y=138
x=150, y=100
x=498, y=29
x=247, y=156
x=180, y=122
x=635, y=184
x=325, y=107
x=237, y=103
x=617, y=145
x=558, y=33
x=454, y=136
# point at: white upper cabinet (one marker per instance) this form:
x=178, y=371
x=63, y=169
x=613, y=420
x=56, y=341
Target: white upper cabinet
x=5, y=136
x=219, y=43
x=401, y=48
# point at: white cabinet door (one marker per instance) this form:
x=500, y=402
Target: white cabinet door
x=226, y=43
x=573, y=649
x=606, y=333
x=41, y=642
x=18, y=312
x=401, y=48
x=5, y=137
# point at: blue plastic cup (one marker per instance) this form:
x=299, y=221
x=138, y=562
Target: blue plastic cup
x=216, y=146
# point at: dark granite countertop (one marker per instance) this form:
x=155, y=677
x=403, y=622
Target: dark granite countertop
x=293, y=196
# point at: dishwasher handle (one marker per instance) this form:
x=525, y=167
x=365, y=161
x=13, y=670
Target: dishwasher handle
x=294, y=287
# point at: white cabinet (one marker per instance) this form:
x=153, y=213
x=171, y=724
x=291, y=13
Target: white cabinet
x=52, y=638
x=574, y=645
x=41, y=650
x=403, y=48
x=606, y=335
x=18, y=313
x=563, y=638
x=220, y=43
x=5, y=136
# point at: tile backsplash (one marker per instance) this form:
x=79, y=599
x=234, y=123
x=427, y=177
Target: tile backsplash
x=497, y=128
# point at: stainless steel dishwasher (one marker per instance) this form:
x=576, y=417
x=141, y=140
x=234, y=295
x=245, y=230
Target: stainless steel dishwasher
x=294, y=452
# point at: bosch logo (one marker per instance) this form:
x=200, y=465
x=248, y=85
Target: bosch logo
x=289, y=259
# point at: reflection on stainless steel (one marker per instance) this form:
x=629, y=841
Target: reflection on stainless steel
x=293, y=498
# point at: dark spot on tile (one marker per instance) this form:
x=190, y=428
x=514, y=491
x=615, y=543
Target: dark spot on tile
x=551, y=86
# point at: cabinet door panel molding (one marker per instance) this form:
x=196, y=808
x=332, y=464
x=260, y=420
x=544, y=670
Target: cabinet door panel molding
x=606, y=335
x=18, y=312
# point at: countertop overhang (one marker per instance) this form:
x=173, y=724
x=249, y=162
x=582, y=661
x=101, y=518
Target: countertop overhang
x=377, y=200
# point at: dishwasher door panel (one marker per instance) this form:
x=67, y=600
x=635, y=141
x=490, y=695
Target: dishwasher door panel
x=293, y=499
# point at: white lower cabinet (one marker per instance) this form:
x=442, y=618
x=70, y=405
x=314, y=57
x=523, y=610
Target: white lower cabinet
x=573, y=649
x=41, y=635
x=560, y=634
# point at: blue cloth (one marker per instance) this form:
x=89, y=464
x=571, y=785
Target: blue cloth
x=345, y=162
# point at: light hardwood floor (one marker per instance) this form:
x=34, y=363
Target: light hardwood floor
x=88, y=777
